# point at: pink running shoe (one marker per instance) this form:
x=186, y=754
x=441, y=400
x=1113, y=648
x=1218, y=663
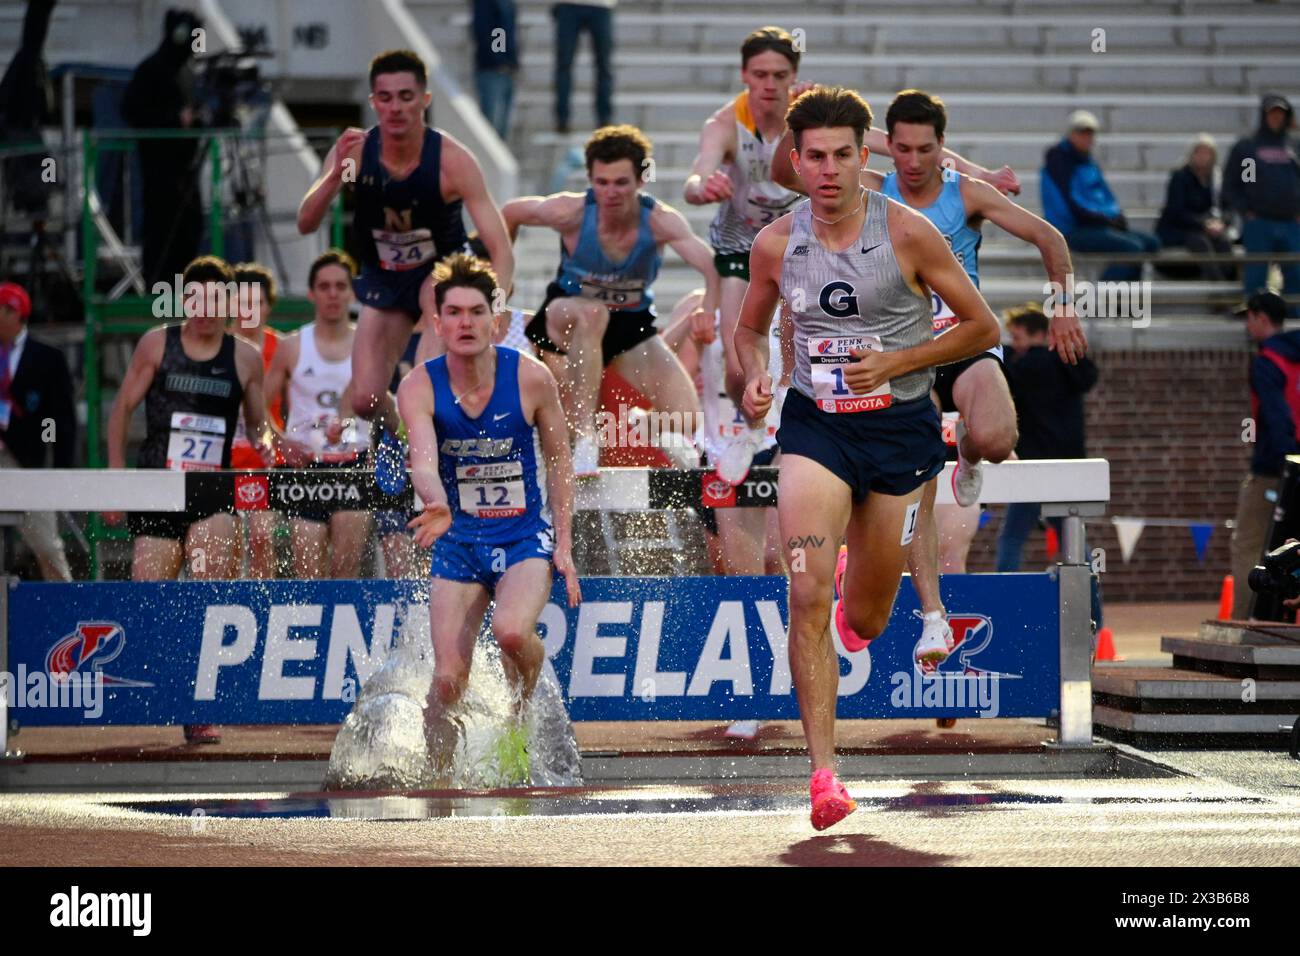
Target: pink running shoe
x=849, y=638
x=831, y=803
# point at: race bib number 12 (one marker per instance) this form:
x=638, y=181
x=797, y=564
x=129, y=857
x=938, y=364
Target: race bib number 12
x=492, y=491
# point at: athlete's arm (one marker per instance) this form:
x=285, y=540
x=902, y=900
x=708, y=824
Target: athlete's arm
x=707, y=183
x=925, y=258
x=465, y=179
x=761, y=298
x=274, y=386
x=669, y=226
x=559, y=211
x=341, y=162
x=135, y=385
x=256, y=415
x=540, y=391
x=1004, y=179
x=415, y=402
x=1065, y=334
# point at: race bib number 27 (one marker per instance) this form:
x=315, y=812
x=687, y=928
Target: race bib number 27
x=196, y=442
x=828, y=358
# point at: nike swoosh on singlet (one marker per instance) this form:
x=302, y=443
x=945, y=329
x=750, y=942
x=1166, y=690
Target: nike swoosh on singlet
x=869, y=248
x=497, y=418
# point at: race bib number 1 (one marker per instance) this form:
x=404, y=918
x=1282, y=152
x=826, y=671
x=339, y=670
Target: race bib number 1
x=492, y=491
x=828, y=357
x=196, y=442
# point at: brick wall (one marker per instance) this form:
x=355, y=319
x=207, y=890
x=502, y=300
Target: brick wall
x=1169, y=422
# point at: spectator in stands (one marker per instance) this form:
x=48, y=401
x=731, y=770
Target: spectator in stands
x=1275, y=409
x=496, y=60
x=1049, y=406
x=1191, y=215
x=597, y=18
x=1078, y=202
x=1261, y=183
x=36, y=415
x=160, y=96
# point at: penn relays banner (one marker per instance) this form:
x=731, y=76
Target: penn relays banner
x=296, y=652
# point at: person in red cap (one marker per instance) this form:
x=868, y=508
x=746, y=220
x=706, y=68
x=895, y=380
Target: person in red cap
x=36, y=415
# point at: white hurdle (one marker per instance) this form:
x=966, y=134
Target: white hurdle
x=1071, y=489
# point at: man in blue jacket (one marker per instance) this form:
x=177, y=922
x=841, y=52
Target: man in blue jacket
x=1077, y=201
x=1275, y=409
x=1261, y=183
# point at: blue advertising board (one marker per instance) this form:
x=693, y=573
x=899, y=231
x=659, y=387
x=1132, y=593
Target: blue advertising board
x=296, y=652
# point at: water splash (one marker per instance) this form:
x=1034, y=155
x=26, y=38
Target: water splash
x=381, y=745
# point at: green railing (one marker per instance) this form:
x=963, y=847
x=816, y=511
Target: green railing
x=132, y=315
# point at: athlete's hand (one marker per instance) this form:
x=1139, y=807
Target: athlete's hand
x=431, y=524
x=758, y=398
x=871, y=370
x=1004, y=180
x=1066, y=336
x=266, y=451
x=800, y=88
x=702, y=327
x=713, y=188
x=295, y=455
x=563, y=559
x=349, y=140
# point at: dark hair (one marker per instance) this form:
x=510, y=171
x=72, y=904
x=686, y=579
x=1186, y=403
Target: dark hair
x=609, y=144
x=208, y=269
x=399, y=61
x=769, y=38
x=917, y=106
x=825, y=107
x=462, y=271
x=1029, y=316
x=256, y=272
x=331, y=257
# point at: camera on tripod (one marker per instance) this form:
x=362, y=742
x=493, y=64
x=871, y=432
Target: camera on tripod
x=1278, y=574
x=229, y=83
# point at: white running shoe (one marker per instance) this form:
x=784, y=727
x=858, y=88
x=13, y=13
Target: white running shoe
x=744, y=729
x=967, y=478
x=586, y=457
x=936, y=642
x=734, y=462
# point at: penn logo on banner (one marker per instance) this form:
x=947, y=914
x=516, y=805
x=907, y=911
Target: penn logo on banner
x=88, y=648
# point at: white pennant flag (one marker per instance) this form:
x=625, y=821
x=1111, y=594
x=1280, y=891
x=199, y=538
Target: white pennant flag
x=1129, y=530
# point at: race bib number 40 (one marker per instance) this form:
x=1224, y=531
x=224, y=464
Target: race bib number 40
x=196, y=442
x=399, y=251
x=828, y=358
x=614, y=294
x=492, y=491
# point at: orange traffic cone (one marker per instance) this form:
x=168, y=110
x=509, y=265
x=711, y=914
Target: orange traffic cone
x=1226, y=598
x=1106, y=646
